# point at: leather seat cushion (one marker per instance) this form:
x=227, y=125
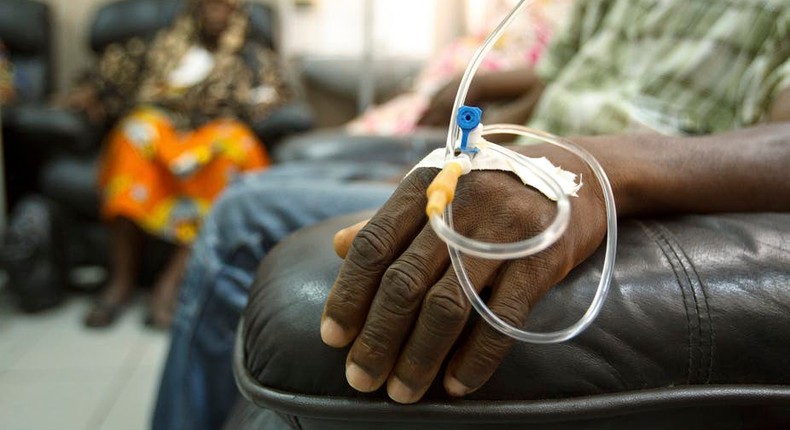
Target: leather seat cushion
x=697, y=322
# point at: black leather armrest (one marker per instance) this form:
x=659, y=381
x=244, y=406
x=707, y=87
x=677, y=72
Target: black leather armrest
x=284, y=120
x=695, y=333
x=72, y=182
x=339, y=145
x=54, y=129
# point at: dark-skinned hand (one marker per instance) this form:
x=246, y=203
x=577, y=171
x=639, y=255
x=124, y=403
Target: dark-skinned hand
x=398, y=304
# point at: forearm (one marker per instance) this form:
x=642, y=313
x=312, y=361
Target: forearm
x=505, y=85
x=516, y=112
x=780, y=108
x=739, y=171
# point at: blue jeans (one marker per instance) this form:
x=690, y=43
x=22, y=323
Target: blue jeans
x=197, y=389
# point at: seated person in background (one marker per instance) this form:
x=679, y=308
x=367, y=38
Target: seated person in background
x=521, y=46
x=687, y=68
x=7, y=90
x=182, y=103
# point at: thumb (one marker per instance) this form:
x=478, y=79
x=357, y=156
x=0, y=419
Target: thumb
x=344, y=237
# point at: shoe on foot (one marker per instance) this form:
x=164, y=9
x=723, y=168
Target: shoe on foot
x=103, y=314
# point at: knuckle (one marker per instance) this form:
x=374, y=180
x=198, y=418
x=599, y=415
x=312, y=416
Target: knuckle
x=373, y=246
x=343, y=310
x=372, y=349
x=415, y=184
x=445, y=309
x=513, y=308
x=418, y=180
x=340, y=301
x=554, y=262
x=402, y=289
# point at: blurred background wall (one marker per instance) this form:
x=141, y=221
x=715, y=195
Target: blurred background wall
x=71, y=18
x=402, y=28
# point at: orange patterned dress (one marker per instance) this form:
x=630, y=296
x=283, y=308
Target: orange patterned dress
x=165, y=179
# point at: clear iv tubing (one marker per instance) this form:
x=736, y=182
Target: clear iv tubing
x=457, y=243
x=503, y=251
x=471, y=69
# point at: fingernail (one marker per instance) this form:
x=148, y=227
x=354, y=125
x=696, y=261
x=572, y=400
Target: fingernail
x=359, y=379
x=332, y=334
x=399, y=392
x=455, y=388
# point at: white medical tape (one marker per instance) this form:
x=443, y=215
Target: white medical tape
x=487, y=159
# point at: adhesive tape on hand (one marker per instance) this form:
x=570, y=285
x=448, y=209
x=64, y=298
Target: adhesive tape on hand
x=487, y=159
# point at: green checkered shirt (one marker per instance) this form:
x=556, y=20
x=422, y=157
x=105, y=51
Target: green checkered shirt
x=673, y=66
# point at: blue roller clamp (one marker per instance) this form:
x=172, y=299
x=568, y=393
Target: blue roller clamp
x=468, y=118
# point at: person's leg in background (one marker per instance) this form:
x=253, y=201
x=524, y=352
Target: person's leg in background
x=165, y=289
x=198, y=180
x=125, y=241
x=132, y=185
x=197, y=388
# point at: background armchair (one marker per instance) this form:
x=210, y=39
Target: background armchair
x=25, y=29
x=72, y=144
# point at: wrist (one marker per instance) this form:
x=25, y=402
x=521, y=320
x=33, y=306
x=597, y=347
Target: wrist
x=621, y=160
x=635, y=169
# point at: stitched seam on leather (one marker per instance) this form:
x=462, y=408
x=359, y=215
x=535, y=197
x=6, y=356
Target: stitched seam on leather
x=707, y=313
x=666, y=240
x=665, y=236
x=706, y=350
x=656, y=237
x=711, y=333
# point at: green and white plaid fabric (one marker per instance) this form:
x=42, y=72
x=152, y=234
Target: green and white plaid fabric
x=672, y=66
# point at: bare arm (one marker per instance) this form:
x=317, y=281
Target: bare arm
x=744, y=170
x=505, y=85
x=780, y=109
x=485, y=88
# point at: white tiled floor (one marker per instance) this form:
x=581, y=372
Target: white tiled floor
x=56, y=374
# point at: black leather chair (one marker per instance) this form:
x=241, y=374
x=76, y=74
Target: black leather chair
x=695, y=334
x=69, y=178
x=25, y=29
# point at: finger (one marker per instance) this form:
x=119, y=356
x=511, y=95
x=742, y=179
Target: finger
x=521, y=284
x=518, y=286
x=394, y=309
x=374, y=248
x=442, y=319
x=343, y=238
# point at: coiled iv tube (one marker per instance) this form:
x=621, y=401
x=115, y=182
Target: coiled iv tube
x=456, y=243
